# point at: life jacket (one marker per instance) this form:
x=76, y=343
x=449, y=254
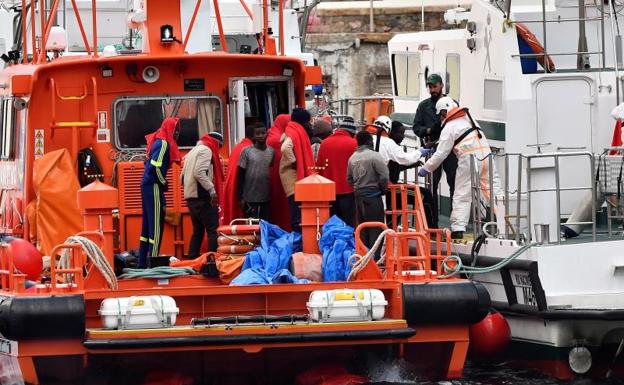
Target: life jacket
x=459, y=112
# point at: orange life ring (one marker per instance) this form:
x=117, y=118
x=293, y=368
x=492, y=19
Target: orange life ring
x=235, y=249
x=237, y=240
x=239, y=230
x=525, y=34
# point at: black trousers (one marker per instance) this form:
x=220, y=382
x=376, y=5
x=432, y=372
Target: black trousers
x=205, y=218
x=344, y=208
x=450, y=167
x=257, y=210
x=428, y=205
x=295, y=214
x=370, y=210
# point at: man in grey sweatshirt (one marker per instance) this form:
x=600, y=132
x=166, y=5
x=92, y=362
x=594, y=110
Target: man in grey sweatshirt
x=368, y=173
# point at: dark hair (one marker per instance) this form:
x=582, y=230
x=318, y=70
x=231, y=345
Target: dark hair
x=363, y=138
x=250, y=129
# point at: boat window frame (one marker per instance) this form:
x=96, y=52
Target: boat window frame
x=233, y=120
x=120, y=99
x=7, y=153
x=418, y=58
x=452, y=86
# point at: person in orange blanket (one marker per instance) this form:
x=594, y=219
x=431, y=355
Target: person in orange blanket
x=279, y=216
x=297, y=159
x=231, y=207
x=333, y=157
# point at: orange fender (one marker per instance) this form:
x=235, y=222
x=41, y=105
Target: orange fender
x=237, y=240
x=235, y=249
x=239, y=230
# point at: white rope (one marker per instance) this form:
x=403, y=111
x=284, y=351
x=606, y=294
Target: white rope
x=358, y=262
x=95, y=255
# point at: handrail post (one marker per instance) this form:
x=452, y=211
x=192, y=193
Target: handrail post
x=593, y=189
x=94, y=16
x=558, y=197
x=529, y=196
x=519, y=198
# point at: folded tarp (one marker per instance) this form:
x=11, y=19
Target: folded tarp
x=269, y=263
x=337, y=245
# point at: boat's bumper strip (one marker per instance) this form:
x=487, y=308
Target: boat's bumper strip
x=560, y=314
x=139, y=343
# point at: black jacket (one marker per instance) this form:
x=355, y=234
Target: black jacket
x=425, y=118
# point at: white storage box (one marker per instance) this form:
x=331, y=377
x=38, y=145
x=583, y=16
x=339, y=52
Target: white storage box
x=140, y=312
x=346, y=305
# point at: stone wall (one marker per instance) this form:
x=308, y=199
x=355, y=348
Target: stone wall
x=354, y=61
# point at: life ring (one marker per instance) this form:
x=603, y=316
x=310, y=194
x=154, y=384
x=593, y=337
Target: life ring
x=235, y=249
x=227, y=240
x=525, y=34
x=239, y=230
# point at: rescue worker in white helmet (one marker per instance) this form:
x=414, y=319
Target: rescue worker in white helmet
x=465, y=139
x=389, y=149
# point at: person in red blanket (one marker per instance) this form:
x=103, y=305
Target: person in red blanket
x=297, y=159
x=279, y=216
x=231, y=207
x=333, y=156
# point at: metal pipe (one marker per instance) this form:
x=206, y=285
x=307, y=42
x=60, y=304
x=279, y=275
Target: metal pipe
x=48, y=26
x=518, y=198
x=220, y=25
x=558, y=197
x=592, y=161
x=190, y=28
x=33, y=26
x=371, y=21
x=265, y=24
x=42, y=53
x=94, y=20
x=582, y=60
x=559, y=20
x=281, y=27
x=24, y=33
x=491, y=185
x=247, y=10
x=602, y=40
x=422, y=15
x=82, y=30
x=506, y=205
x=615, y=64
x=529, y=195
x=534, y=55
x=544, y=28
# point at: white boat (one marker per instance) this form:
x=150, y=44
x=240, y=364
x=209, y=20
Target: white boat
x=563, y=298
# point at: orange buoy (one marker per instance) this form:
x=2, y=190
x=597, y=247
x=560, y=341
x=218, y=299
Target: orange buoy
x=239, y=229
x=237, y=240
x=490, y=336
x=26, y=258
x=235, y=249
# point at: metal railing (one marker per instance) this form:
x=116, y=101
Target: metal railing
x=522, y=177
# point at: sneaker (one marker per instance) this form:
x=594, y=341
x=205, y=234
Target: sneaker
x=457, y=235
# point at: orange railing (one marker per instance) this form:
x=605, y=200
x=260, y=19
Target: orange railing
x=413, y=250
x=10, y=280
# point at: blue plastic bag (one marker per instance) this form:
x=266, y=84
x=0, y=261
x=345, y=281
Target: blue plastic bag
x=337, y=245
x=269, y=263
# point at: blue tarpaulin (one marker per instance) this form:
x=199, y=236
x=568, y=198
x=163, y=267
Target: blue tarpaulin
x=269, y=263
x=337, y=244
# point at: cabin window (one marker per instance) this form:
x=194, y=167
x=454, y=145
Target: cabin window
x=7, y=130
x=406, y=70
x=137, y=117
x=493, y=94
x=452, y=76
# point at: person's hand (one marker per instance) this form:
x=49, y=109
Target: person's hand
x=214, y=201
x=423, y=172
x=428, y=131
x=426, y=151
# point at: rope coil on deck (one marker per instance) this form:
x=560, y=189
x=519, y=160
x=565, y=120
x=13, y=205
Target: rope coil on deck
x=94, y=254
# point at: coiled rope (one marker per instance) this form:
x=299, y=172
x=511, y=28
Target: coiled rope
x=160, y=272
x=94, y=254
x=358, y=262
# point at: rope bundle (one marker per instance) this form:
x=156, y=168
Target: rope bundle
x=94, y=254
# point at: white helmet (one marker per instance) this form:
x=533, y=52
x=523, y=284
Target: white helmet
x=383, y=122
x=445, y=103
